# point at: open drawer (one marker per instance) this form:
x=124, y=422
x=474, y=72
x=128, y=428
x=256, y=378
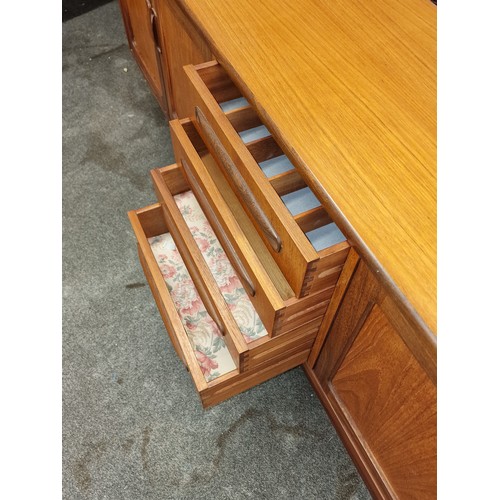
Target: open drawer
x=267, y=288
x=301, y=237
x=193, y=321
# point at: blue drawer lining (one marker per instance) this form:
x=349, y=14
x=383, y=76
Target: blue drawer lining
x=239, y=102
x=325, y=236
x=252, y=134
x=300, y=201
x=276, y=166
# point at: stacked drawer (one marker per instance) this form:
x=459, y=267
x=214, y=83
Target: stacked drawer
x=237, y=136
x=240, y=256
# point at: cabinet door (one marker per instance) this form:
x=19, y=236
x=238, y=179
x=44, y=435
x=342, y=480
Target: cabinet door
x=137, y=17
x=181, y=45
x=378, y=393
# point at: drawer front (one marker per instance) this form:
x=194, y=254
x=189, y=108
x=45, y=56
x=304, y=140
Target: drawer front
x=283, y=209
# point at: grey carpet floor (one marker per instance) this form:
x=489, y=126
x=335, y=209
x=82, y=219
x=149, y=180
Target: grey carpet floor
x=133, y=425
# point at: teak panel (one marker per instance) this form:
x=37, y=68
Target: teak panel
x=392, y=406
x=348, y=269
x=364, y=289
x=350, y=95
x=376, y=377
x=181, y=45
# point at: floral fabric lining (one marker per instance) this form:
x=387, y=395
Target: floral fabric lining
x=206, y=339
x=234, y=294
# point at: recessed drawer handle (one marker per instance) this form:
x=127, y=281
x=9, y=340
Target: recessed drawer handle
x=245, y=279
x=206, y=298
x=247, y=195
x=211, y=310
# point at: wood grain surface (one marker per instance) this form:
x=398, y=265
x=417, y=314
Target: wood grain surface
x=181, y=44
x=348, y=88
x=393, y=410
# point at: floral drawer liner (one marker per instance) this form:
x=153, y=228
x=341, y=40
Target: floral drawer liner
x=206, y=339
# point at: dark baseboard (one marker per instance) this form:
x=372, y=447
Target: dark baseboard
x=75, y=8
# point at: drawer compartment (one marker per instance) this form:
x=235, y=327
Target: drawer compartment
x=194, y=332
x=178, y=285
x=270, y=293
x=302, y=239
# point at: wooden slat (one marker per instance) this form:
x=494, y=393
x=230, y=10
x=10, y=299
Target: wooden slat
x=312, y=219
x=261, y=352
x=333, y=256
x=243, y=118
x=218, y=83
x=347, y=272
x=200, y=274
x=298, y=306
x=174, y=179
x=150, y=221
x=192, y=133
x=264, y=149
x=327, y=279
x=287, y=182
x=311, y=313
x=329, y=264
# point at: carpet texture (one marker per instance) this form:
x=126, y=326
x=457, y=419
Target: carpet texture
x=133, y=425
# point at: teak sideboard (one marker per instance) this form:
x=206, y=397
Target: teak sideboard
x=298, y=224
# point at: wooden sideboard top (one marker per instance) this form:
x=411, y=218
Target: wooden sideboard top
x=349, y=90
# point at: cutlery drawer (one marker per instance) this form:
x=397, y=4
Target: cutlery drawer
x=185, y=299
x=301, y=237
x=267, y=288
x=195, y=329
